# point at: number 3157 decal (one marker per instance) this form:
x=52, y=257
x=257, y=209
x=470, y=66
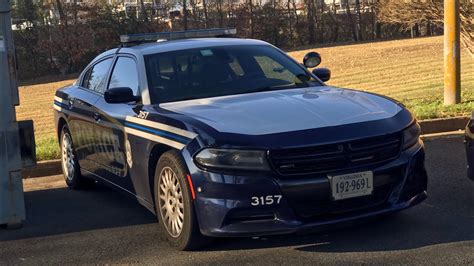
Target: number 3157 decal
x=143, y=115
x=266, y=200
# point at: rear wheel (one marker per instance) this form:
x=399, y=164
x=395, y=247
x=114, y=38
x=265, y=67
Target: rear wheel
x=174, y=204
x=70, y=165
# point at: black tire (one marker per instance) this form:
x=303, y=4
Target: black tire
x=190, y=237
x=74, y=179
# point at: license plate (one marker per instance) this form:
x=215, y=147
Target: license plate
x=351, y=185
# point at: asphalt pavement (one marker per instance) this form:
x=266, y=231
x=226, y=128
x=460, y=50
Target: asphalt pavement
x=101, y=226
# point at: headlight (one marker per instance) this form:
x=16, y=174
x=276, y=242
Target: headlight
x=224, y=159
x=411, y=135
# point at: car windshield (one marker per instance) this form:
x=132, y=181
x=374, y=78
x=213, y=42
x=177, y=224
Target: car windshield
x=219, y=71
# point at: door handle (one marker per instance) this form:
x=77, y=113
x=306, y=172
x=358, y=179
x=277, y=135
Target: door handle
x=97, y=117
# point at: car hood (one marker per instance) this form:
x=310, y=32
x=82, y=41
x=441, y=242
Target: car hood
x=286, y=110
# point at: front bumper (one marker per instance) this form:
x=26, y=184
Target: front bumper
x=223, y=202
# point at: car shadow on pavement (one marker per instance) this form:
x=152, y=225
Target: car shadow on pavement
x=419, y=227
x=60, y=211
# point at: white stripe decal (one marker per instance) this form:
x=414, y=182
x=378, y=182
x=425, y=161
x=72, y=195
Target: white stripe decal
x=61, y=100
x=155, y=138
x=165, y=127
x=142, y=134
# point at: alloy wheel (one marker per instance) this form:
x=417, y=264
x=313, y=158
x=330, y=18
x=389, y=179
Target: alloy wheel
x=68, y=162
x=171, y=202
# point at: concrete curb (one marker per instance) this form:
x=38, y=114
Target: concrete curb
x=439, y=125
x=43, y=168
x=431, y=128
x=443, y=135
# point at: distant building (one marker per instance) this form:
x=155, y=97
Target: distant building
x=340, y=5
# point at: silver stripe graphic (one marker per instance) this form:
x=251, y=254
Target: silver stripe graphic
x=165, y=127
x=155, y=138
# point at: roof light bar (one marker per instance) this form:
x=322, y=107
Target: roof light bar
x=175, y=35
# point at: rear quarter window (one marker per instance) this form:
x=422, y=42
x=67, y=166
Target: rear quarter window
x=95, y=78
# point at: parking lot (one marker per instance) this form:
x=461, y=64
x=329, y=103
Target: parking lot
x=103, y=226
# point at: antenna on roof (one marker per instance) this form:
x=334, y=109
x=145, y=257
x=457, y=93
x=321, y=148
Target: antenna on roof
x=175, y=35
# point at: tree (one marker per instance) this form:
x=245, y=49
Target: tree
x=251, y=18
x=410, y=14
x=206, y=20
x=334, y=21
x=59, y=7
x=143, y=11
x=351, y=21
x=185, y=15
x=358, y=20
x=26, y=11
x=311, y=22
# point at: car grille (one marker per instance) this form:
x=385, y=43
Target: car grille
x=336, y=157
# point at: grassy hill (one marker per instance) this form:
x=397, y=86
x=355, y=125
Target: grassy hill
x=410, y=71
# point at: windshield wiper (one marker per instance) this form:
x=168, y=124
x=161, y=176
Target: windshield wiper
x=269, y=88
x=274, y=88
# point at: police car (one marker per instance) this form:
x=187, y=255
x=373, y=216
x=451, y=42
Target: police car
x=220, y=136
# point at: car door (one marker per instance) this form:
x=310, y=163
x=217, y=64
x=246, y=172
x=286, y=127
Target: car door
x=82, y=119
x=114, y=162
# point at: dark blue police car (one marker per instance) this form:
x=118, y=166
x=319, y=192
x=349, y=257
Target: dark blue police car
x=231, y=137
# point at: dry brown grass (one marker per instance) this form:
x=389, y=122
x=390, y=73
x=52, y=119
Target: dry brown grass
x=402, y=69
x=408, y=70
x=36, y=102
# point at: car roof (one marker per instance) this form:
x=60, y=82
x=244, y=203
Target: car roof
x=176, y=45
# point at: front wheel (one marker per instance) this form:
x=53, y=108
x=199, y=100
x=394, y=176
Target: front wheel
x=174, y=204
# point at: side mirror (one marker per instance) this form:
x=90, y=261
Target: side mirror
x=120, y=95
x=323, y=74
x=312, y=59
